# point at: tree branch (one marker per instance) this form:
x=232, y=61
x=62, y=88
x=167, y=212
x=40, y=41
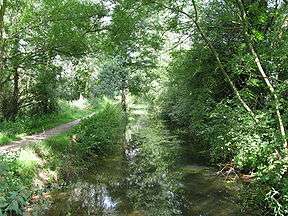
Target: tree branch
x=262, y=72
x=195, y=19
x=220, y=64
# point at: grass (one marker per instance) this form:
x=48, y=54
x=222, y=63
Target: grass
x=21, y=174
x=42, y=166
x=10, y=131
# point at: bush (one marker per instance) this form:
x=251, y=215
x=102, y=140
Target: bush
x=15, y=182
x=103, y=132
x=199, y=104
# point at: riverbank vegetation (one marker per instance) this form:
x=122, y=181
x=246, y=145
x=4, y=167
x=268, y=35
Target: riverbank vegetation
x=51, y=163
x=102, y=133
x=212, y=72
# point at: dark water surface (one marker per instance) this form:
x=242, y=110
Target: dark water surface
x=154, y=177
x=144, y=184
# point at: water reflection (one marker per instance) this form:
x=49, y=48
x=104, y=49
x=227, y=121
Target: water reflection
x=153, y=179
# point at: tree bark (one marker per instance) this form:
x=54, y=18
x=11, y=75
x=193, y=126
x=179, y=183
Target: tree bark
x=124, y=91
x=2, y=13
x=15, y=97
x=124, y=100
x=14, y=103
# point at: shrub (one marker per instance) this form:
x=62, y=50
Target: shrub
x=102, y=133
x=15, y=181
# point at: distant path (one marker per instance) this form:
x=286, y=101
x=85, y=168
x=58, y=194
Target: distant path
x=17, y=145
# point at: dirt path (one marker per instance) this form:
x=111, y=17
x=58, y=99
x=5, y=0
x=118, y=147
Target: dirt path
x=16, y=145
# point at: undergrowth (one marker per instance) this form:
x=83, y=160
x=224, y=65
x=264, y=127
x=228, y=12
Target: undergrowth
x=59, y=159
x=102, y=133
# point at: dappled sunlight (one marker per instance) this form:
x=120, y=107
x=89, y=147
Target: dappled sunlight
x=94, y=197
x=136, y=108
x=28, y=159
x=20, y=130
x=16, y=145
x=81, y=103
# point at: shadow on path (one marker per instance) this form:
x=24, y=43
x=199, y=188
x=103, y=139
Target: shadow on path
x=16, y=145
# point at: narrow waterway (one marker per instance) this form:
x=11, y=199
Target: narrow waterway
x=154, y=177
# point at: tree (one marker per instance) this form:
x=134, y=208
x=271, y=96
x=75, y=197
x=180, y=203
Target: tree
x=264, y=75
x=37, y=33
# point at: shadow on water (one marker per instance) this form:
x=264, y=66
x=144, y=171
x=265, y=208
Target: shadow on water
x=154, y=178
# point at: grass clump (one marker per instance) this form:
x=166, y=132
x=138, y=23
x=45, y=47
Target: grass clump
x=102, y=133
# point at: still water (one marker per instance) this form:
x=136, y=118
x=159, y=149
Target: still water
x=154, y=177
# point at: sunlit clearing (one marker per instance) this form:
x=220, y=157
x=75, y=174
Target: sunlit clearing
x=28, y=159
x=81, y=103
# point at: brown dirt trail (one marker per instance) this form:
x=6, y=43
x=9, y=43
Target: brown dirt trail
x=17, y=145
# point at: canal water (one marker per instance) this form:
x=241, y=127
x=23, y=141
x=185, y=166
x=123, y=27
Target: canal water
x=154, y=177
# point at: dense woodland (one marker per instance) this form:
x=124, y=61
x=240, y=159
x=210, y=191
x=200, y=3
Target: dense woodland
x=214, y=72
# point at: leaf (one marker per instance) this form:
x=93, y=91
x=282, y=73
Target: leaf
x=14, y=206
x=3, y=202
x=259, y=36
x=22, y=201
x=254, y=82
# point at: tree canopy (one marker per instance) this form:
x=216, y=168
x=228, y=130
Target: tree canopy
x=215, y=70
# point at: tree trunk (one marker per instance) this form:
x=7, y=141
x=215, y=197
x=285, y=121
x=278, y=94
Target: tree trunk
x=2, y=13
x=124, y=100
x=220, y=64
x=124, y=108
x=15, y=96
x=14, y=105
x=262, y=72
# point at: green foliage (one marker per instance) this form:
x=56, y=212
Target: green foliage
x=15, y=182
x=38, y=35
x=198, y=100
x=43, y=91
x=103, y=132
x=114, y=76
x=153, y=135
x=44, y=45
x=155, y=154
x=110, y=81
x=20, y=172
x=22, y=126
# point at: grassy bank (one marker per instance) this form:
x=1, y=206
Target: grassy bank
x=26, y=175
x=29, y=172
x=10, y=131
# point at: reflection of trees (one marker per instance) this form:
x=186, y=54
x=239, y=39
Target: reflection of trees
x=145, y=183
x=100, y=192
x=95, y=199
x=152, y=185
